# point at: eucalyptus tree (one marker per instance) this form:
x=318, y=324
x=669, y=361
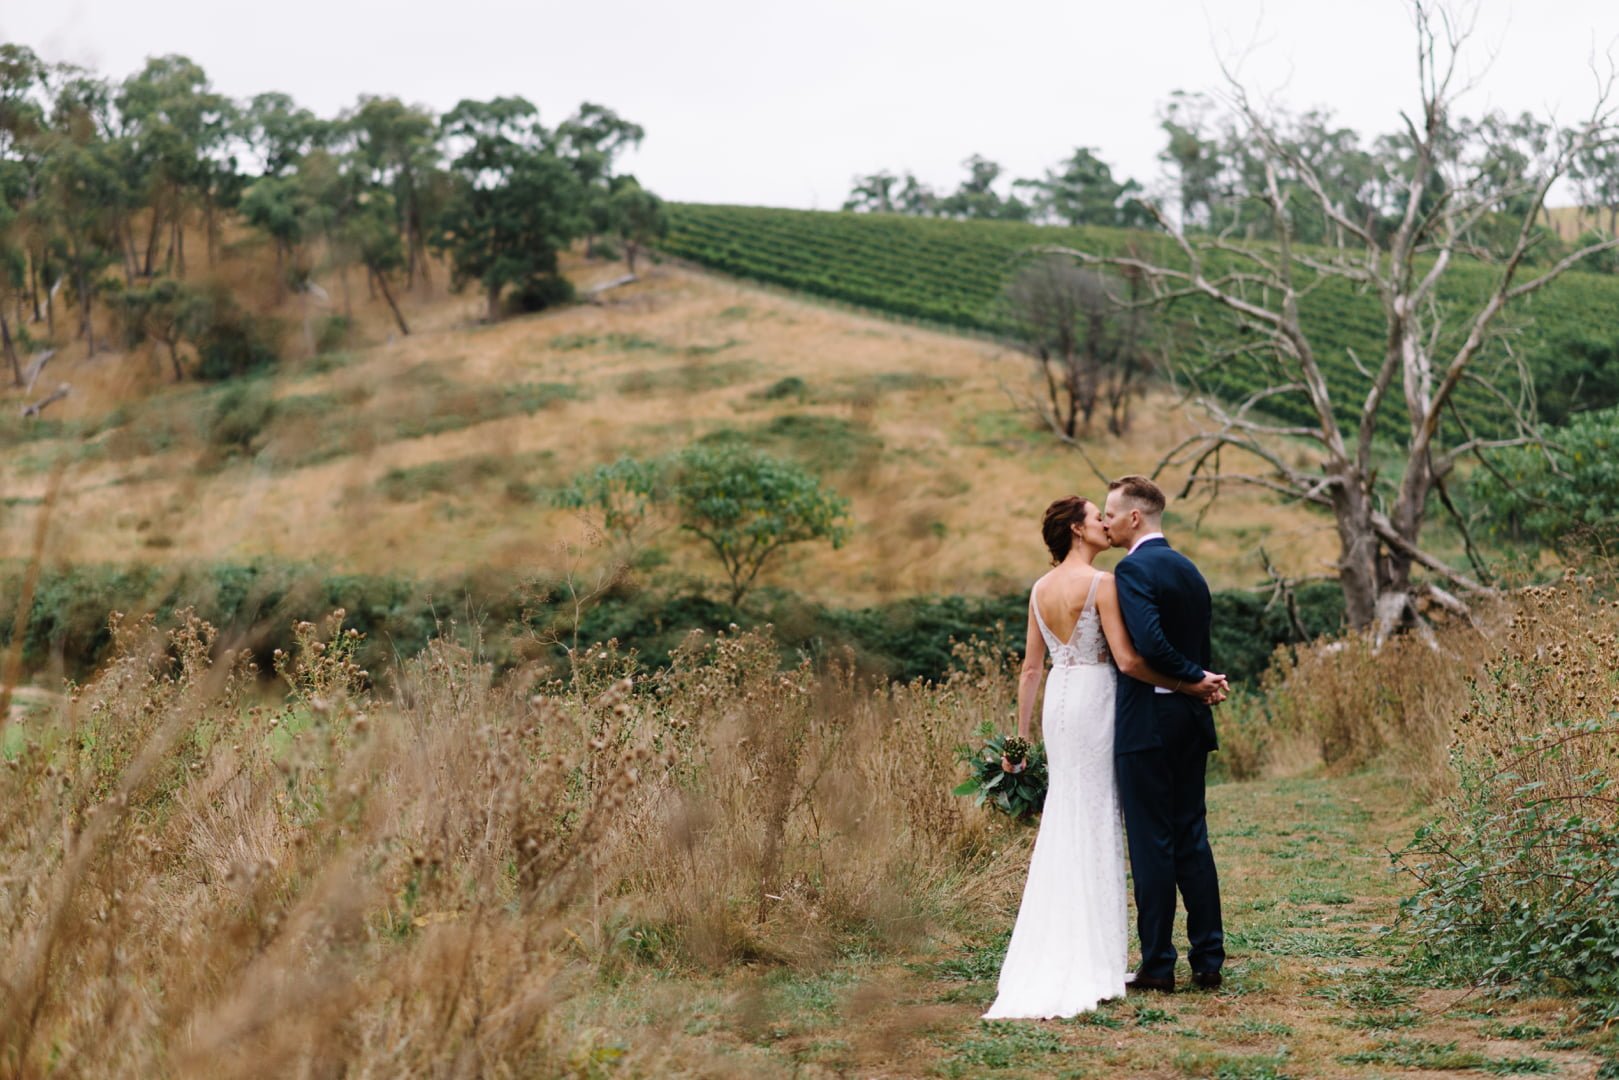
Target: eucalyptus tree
x=873, y=194
x=280, y=133
x=22, y=122
x=515, y=203
x=592, y=139
x=280, y=207
x=395, y=145
x=637, y=217
x=84, y=192
x=1083, y=191
x=177, y=130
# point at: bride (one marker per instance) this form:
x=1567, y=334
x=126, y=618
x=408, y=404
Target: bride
x=1069, y=947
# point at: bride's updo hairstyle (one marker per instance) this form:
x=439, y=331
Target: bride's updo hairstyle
x=1058, y=525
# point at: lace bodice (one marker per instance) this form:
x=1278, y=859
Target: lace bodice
x=1087, y=644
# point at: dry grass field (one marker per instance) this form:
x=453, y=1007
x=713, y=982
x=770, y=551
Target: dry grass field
x=435, y=453
x=722, y=868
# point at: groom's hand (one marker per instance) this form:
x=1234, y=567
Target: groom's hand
x=1212, y=689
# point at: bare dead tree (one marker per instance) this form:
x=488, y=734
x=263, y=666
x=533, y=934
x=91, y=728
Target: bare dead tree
x=1089, y=336
x=1450, y=205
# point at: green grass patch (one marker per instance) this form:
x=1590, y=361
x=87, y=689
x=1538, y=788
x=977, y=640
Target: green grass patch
x=1438, y=1057
x=1221, y=1066
x=1000, y=1045
x=976, y=963
x=1274, y=942
x=462, y=475
x=464, y=410
x=824, y=444
x=690, y=378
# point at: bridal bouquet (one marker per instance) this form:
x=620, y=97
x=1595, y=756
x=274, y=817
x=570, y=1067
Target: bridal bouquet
x=1019, y=795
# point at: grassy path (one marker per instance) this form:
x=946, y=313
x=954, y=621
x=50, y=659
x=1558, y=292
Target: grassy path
x=1312, y=986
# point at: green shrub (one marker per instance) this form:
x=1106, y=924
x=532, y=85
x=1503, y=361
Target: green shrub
x=333, y=333
x=1248, y=626
x=540, y=293
x=231, y=341
x=1565, y=497
x=790, y=387
x=239, y=416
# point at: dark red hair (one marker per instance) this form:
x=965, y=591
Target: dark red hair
x=1058, y=525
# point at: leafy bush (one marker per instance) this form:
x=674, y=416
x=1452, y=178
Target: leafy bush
x=748, y=506
x=1248, y=626
x=239, y=415
x=230, y=340
x=333, y=333
x=1565, y=497
x=790, y=387
x=539, y=294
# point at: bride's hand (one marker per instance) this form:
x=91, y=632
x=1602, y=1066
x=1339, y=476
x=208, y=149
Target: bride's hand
x=1007, y=766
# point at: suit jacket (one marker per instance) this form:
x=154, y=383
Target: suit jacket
x=1166, y=608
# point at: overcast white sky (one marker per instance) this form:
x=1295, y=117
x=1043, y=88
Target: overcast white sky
x=754, y=101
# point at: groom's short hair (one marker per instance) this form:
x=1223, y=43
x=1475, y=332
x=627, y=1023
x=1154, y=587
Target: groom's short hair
x=1147, y=496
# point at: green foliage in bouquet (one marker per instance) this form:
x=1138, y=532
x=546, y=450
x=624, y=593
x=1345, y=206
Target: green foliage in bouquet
x=1019, y=795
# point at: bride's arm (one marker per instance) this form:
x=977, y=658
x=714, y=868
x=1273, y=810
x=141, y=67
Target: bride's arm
x=1034, y=666
x=1124, y=652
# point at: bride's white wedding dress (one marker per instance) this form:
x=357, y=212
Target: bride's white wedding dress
x=1069, y=947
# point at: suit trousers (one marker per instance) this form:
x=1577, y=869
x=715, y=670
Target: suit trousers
x=1161, y=792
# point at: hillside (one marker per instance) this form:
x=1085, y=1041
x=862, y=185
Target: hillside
x=437, y=452
x=954, y=273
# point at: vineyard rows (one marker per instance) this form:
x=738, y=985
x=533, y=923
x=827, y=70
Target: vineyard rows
x=954, y=274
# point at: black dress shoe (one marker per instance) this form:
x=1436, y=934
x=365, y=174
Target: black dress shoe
x=1141, y=982
x=1208, y=980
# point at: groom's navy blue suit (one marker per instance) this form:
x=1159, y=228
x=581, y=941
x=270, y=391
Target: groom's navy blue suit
x=1162, y=743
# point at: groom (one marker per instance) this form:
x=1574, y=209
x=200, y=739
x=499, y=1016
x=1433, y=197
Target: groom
x=1162, y=739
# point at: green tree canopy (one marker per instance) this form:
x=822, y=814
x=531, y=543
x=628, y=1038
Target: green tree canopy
x=514, y=204
x=637, y=216
x=747, y=506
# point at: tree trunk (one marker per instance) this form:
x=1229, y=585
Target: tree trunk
x=127, y=234
x=348, y=296
x=180, y=245
x=1358, y=547
x=209, y=224
x=630, y=252
x=174, y=358
x=11, y=350
x=151, y=236
x=87, y=325
x=387, y=295
x=493, y=293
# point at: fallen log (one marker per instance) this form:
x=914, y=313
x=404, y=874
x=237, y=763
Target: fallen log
x=52, y=398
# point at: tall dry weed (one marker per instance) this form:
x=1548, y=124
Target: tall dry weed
x=1517, y=878
x=1533, y=654
x=200, y=883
